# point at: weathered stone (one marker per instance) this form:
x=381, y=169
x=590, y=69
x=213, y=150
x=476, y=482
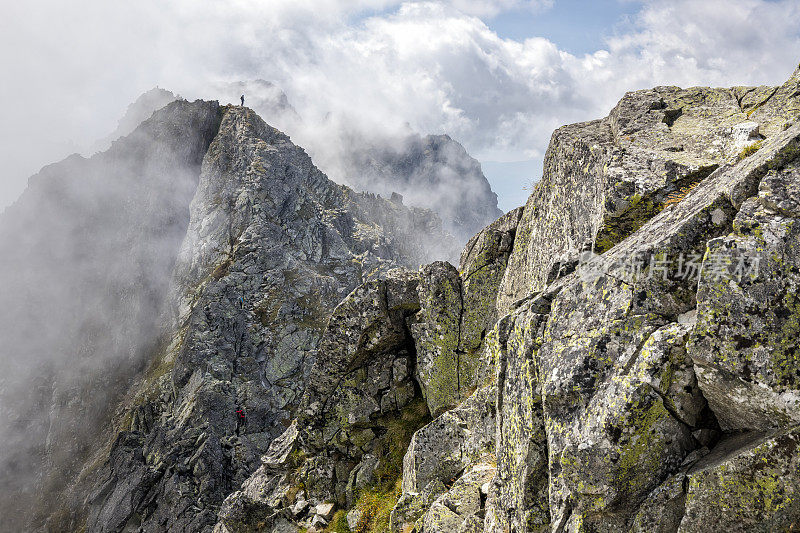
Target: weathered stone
x=445, y=447
x=440, y=519
x=755, y=488
x=483, y=264
x=461, y=504
x=436, y=331
x=318, y=522
x=745, y=343
x=603, y=179
x=281, y=448
x=411, y=506
x=521, y=438
x=300, y=507
x=325, y=510
x=663, y=509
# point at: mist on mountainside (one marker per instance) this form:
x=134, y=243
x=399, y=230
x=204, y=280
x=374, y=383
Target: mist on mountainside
x=86, y=256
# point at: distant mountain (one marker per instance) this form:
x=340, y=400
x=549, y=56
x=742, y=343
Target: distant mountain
x=139, y=111
x=432, y=171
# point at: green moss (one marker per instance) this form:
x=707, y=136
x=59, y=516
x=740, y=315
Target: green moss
x=297, y=458
x=376, y=501
x=616, y=229
x=394, y=443
x=749, y=150
x=376, y=506
x=338, y=523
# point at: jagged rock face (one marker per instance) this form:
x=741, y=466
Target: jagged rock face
x=382, y=363
x=623, y=385
x=272, y=247
x=745, y=343
x=457, y=309
x=608, y=381
x=219, y=277
x=621, y=395
x=651, y=388
x=87, y=253
x=603, y=179
x=433, y=172
x=355, y=413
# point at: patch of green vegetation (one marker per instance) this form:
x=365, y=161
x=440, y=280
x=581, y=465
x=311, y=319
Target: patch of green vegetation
x=616, y=229
x=749, y=150
x=394, y=443
x=376, y=506
x=377, y=501
x=338, y=523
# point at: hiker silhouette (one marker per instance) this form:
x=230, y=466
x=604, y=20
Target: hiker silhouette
x=242, y=100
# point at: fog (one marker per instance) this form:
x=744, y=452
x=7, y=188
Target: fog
x=86, y=256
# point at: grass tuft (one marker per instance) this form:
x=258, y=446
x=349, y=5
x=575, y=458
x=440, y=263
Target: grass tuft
x=749, y=150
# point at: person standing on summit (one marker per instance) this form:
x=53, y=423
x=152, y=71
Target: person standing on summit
x=242, y=100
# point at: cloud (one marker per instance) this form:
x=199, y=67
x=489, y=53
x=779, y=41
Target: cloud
x=436, y=65
x=488, y=8
x=714, y=42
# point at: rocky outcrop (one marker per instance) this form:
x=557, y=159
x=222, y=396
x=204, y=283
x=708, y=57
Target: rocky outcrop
x=626, y=334
x=386, y=358
x=603, y=179
x=228, y=322
x=271, y=248
x=458, y=308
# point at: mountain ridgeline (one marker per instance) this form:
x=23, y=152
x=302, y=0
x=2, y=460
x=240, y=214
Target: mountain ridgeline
x=205, y=333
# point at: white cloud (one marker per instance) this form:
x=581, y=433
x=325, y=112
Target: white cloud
x=72, y=69
x=684, y=42
x=490, y=8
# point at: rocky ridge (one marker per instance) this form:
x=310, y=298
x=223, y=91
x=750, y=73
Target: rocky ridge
x=633, y=365
x=429, y=171
x=217, y=249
